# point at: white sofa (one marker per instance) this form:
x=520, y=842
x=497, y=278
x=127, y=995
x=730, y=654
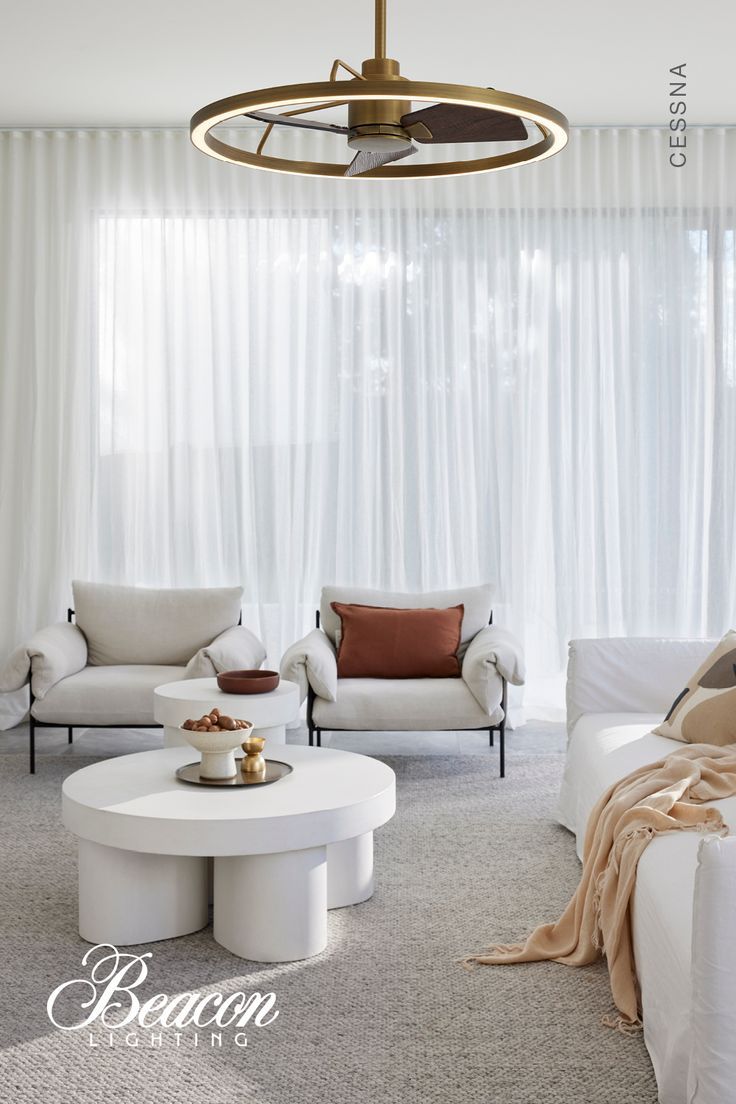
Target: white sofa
x=490, y=657
x=684, y=905
x=100, y=670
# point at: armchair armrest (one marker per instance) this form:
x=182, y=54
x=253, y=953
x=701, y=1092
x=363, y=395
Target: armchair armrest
x=51, y=655
x=312, y=662
x=493, y=652
x=236, y=649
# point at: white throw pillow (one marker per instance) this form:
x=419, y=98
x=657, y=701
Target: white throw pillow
x=237, y=649
x=200, y=666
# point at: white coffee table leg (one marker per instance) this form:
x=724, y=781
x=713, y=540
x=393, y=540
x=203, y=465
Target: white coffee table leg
x=126, y=897
x=350, y=871
x=272, y=908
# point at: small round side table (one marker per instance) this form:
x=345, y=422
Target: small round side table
x=176, y=702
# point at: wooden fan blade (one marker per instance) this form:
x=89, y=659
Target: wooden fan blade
x=290, y=120
x=455, y=123
x=364, y=162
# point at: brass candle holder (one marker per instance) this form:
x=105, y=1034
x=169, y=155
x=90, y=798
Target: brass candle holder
x=253, y=763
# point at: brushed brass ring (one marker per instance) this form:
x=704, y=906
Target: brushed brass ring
x=552, y=124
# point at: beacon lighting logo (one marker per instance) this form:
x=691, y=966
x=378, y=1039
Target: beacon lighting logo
x=106, y=1005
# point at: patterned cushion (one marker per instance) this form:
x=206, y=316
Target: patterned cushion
x=705, y=711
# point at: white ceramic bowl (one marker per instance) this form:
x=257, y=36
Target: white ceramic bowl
x=218, y=750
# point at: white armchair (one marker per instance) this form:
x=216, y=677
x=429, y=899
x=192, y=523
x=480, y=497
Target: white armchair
x=490, y=658
x=101, y=671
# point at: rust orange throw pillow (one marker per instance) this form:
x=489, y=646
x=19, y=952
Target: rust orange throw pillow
x=398, y=643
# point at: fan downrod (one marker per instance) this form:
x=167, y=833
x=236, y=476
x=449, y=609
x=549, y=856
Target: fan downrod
x=375, y=125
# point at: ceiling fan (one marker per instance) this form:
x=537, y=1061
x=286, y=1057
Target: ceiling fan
x=383, y=126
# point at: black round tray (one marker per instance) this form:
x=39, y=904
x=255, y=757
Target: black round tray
x=275, y=770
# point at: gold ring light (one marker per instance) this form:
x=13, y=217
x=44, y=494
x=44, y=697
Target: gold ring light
x=383, y=128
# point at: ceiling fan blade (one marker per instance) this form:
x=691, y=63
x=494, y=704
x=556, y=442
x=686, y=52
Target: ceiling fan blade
x=363, y=162
x=291, y=120
x=455, y=123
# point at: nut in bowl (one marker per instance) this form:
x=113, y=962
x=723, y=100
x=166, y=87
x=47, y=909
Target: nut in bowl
x=216, y=736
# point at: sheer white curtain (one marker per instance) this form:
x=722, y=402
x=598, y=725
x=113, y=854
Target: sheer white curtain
x=211, y=375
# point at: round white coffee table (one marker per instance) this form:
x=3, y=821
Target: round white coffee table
x=283, y=853
x=175, y=702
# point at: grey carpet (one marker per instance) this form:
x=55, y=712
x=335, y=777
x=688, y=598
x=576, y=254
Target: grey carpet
x=386, y=1014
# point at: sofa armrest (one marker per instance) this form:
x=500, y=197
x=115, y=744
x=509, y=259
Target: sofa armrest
x=629, y=674
x=494, y=652
x=51, y=655
x=312, y=662
x=236, y=649
x=713, y=973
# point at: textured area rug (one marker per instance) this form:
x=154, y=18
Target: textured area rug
x=385, y=1014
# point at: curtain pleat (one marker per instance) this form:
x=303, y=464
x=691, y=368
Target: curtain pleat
x=211, y=375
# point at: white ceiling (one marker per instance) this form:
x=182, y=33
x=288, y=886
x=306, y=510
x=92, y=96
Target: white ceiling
x=153, y=62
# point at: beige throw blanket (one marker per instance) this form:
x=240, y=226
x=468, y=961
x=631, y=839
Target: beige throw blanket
x=661, y=797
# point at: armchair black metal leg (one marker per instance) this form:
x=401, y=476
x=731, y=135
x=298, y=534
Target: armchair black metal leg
x=490, y=736
x=32, y=746
x=502, y=747
x=502, y=728
x=310, y=718
x=319, y=737
x=70, y=731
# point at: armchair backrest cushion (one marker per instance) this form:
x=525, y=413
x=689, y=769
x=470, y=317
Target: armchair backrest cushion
x=476, y=600
x=125, y=624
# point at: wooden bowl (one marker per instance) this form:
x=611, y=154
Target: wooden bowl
x=248, y=682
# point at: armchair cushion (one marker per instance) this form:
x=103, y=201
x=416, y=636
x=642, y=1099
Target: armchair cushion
x=236, y=649
x=378, y=642
x=476, y=600
x=493, y=652
x=312, y=662
x=50, y=655
x=106, y=696
x=405, y=705
x=140, y=625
